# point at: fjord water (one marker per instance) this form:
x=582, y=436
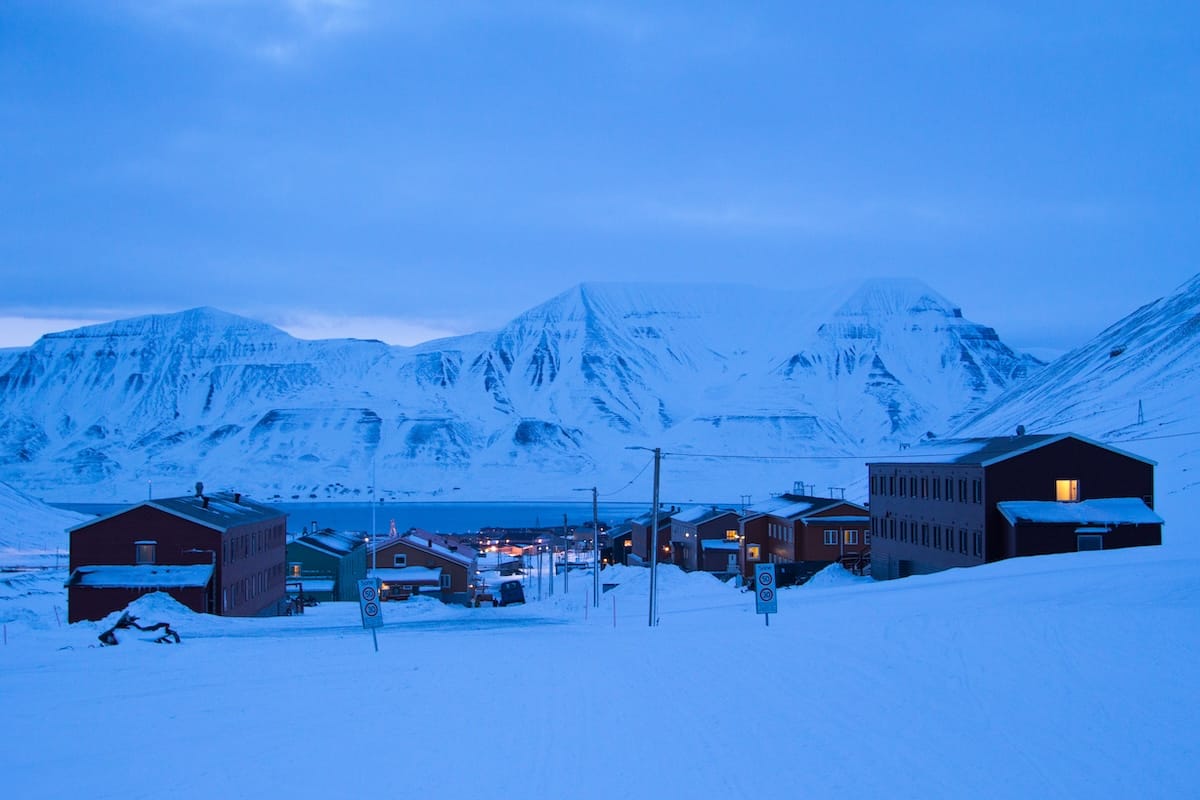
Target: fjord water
x=438, y=517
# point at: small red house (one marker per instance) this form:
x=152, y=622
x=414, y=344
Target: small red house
x=794, y=528
x=218, y=554
x=457, y=563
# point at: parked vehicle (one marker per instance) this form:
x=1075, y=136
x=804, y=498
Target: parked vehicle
x=511, y=593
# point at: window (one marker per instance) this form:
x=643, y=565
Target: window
x=962, y=490
x=295, y=569
x=977, y=544
x=976, y=491
x=866, y=537
x=924, y=534
x=891, y=529
x=949, y=489
x=1089, y=541
x=731, y=536
x=752, y=553
x=903, y=483
x=903, y=530
x=924, y=487
x=962, y=542
x=937, y=489
x=937, y=534
x=831, y=537
x=445, y=581
x=849, y=537
x=892, y=485
x=1066, y=491
x=400, y=560
x=145, y=552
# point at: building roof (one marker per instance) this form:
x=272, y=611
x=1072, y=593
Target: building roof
x=409, y=574
x=337, y=543
x=986, y=451
x=697, y=515
x=1106, y=511
x=429, y=545
x=220, y=511
x=313, y=584
x=141, y=576
x=796, y=506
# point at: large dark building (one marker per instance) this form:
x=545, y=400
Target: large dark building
x=958, y=503
x=219, y=554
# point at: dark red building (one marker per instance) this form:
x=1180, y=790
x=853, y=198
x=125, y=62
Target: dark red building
x=962, y=502
x=793, y=528
x=219, y=554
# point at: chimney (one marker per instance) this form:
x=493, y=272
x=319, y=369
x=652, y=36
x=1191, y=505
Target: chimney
x=205, y=499
x=237, y=498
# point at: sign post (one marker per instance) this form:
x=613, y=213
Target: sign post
x=368, y=605
x=765, y=601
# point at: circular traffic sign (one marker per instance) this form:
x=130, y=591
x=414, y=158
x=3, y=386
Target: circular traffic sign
x=766, y=578
x=368, y=593
x=766, y=595
x=371, y=609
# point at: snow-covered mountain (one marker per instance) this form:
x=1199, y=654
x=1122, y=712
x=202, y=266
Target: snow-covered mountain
x=29, y=527
x=1134, y=383
x=549, y=403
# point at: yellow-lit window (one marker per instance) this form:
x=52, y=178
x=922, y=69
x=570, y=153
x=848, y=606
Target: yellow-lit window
x=1066, y=491
x=731, y=536
x=752, y=553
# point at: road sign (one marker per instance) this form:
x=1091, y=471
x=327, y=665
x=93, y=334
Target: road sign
x=368, y=603
x=765, y=601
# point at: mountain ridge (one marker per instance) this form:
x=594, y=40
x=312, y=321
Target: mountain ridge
x=551, y=399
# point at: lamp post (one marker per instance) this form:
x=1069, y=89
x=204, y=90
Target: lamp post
x=374, y=544
x=595, y=547
x=653, y=536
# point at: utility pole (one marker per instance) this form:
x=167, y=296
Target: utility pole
x=566, y=559
x=374, y=544
x=654, y=544
x=595, y=550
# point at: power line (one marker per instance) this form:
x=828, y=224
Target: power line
x=631, y=480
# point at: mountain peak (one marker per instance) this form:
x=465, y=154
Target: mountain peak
x=891, y=296
x=202, y=322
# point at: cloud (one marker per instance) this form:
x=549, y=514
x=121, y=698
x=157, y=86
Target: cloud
x=393, y=330
x=23, y=331
x=277, y=31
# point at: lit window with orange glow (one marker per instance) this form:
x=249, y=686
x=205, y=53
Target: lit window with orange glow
x=1066, y=491
x=752, y=553
x=731, y=536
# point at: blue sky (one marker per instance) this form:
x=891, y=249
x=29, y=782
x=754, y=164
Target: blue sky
x=402, y=170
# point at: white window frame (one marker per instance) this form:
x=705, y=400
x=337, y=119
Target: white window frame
x=399, y=560
x=831, y=537
x=145, y=547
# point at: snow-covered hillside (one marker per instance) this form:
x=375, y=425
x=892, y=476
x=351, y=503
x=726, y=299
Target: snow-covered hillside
x=1065, y=676
x=30, y=529
x=1134, y=385
x=549, y=403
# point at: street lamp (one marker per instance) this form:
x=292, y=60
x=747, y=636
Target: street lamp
x=653, y=535
x=595, y=548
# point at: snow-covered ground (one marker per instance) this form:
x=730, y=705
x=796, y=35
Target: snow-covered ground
x=1055, y=677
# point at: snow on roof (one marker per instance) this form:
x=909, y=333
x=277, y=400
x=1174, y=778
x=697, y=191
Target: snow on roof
x=985, y=451
x=221, y=513
x=698, y=514
x=312, y=584
x=720, y=544
x=409, y=575
x=336, y=542
x=141, y=576
x=1106, y=511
